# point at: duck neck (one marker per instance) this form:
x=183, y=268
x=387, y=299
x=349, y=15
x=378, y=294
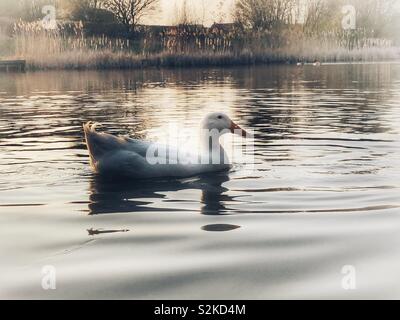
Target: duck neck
x=211, y=147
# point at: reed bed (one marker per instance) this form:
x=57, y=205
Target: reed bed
x=68, y=47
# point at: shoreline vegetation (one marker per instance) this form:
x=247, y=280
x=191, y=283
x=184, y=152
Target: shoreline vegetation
x=108, y=59
x=184, y=46
x=91, y=37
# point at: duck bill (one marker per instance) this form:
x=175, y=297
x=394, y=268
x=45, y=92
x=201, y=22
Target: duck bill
x=236, y=129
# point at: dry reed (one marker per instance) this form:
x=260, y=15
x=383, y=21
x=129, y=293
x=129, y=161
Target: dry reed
x=68, y=48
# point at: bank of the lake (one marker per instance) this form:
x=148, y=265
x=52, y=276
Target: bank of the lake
x=110, y=59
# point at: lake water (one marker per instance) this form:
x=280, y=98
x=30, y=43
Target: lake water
x=320, y=209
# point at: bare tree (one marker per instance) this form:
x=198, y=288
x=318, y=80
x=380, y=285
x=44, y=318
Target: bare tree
x=130, y=12
x=318, y=16
x=262, y=15
x=185, y=16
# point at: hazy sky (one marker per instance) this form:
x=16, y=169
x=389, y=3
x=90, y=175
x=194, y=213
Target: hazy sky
x=200, y=11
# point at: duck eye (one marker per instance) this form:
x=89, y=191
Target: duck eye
x=219, y=117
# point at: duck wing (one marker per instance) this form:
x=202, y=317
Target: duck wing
x=109, y=151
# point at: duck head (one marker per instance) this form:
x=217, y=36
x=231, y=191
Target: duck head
x=222, y=124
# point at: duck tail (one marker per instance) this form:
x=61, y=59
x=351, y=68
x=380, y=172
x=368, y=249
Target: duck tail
x=100, y=144
x=89, y=129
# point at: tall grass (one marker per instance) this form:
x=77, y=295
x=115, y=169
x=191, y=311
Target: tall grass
x=69, y=48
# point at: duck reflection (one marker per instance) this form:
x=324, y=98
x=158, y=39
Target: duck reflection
x=108, y=196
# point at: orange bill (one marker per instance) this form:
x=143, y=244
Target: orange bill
x=235, y=128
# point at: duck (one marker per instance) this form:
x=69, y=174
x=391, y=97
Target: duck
x=124, y=157
x=317, y=63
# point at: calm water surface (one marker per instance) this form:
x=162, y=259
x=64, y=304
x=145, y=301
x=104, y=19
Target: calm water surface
x=324, y=192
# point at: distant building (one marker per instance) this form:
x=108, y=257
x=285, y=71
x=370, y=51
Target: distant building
x=224, y=27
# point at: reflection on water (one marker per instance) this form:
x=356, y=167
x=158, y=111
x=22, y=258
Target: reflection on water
x=149, y=195
x=323, y=193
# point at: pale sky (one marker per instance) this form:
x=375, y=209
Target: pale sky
x=199, y=11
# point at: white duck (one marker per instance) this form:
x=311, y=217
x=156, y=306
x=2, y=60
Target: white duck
x=131, y=158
